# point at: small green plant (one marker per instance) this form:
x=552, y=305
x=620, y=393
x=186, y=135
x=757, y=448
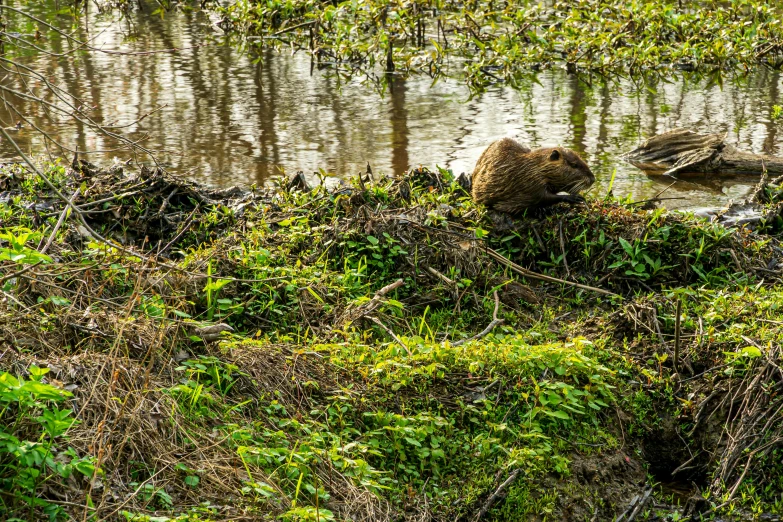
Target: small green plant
x=17, y=249
x=636, y=262
x=308, y=514
x=211, y=290
x=190, y=475
x=211, y=371
x=154, y=495
x=33, y=434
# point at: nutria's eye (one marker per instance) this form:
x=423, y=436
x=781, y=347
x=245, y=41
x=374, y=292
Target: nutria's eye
x=555, y=155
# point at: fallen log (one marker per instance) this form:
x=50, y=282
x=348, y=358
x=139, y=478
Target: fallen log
x=682, y=151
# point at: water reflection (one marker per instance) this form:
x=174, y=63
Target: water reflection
x=218, y=116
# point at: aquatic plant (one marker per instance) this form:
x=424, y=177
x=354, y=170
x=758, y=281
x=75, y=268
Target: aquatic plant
x=490, y=41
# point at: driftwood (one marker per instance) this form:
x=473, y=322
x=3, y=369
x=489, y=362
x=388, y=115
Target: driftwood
x=683, y=151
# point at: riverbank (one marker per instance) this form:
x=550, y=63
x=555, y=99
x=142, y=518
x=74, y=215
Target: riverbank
x=385, y=350
x=340, y=125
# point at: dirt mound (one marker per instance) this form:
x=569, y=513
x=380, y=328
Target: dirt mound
x=380, y=266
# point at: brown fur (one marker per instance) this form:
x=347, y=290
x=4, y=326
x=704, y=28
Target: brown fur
x=510, y=177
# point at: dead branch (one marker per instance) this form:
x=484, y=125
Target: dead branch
x=440, y=276
x=683, y=151
x=391, y=334
x=60, y=221
x=18, y=272
x=371, y=305
x=541, y=277
x=636, y=506
x=497, y=495
x=491, y=326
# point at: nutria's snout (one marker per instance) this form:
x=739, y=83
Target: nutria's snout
x=590, y=176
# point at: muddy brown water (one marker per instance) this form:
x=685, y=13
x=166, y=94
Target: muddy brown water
x=221, y=116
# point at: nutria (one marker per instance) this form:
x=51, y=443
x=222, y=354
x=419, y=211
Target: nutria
x=510, y=177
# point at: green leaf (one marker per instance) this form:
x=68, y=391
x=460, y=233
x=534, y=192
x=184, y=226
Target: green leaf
x=560, y=414
x=216, y=284
x=38, y=372
x=59, y=301
x=750, y=351
x=43, y=391
x=627, y=247
x=85, y=467
x=413, y=441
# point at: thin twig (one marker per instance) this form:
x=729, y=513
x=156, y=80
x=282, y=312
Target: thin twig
x=440, y=276
x=391, y=334
x=494, y=497
x=677, y=335
x=60, y=220
x=19, y=272
x=636, y=507
x=294, y=27
x=541, y=277
x=658, y=197
x=188, y=222
x=653, y=200
x=489, y=328
x=562, y=249
x=370, y=306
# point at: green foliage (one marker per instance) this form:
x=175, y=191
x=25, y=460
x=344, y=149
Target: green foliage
x=308, y=514
x=381, y=254
x=33, y=431
x=17, y=249
x=203, y=513
x=153, y=495
x=211, y=371
x=501, y=41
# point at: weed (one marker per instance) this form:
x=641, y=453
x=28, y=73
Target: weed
x=32, y=449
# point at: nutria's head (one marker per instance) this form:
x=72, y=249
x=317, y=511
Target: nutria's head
x=564, y=170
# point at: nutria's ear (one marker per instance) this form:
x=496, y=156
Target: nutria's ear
x=555, y=155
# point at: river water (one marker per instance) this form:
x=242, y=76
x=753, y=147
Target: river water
x=225, y=117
